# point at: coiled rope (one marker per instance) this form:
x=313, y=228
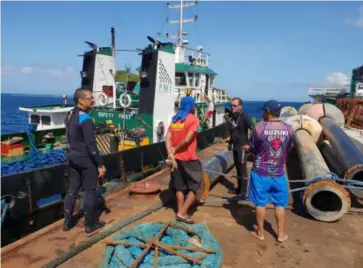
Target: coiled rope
x=35, y=158
x=180, y=245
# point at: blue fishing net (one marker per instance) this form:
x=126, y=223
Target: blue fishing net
x=176, y=235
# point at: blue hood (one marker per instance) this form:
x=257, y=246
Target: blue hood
x=186, y=105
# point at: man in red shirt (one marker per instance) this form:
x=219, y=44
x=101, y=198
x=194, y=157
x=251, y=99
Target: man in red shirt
x=186, y=169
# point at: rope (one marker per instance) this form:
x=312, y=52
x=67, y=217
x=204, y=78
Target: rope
x=177, y=236
x=33, y=160
x=97, y=237
x=329, y=176
x=4, y=210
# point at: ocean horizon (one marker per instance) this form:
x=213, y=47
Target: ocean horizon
x=13, y=120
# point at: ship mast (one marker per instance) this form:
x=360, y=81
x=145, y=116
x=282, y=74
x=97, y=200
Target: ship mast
x=179, y=38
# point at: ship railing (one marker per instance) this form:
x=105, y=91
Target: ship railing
x=324, y=90
x=201, y=57
x=217, y=96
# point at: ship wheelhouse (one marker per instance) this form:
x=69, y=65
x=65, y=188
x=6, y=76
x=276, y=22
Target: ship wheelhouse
x=47, y=117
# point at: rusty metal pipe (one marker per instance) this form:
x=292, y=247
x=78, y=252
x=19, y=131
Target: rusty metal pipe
x=324, y=200
x=347, y=153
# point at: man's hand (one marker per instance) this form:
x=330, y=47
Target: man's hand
x=101, y=172
x=172, y=162
x=245, y=148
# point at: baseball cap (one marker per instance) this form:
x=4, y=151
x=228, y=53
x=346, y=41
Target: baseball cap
x=273, y=105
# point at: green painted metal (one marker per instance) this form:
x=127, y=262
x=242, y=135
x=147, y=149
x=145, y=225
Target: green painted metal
x=357, y=74
x=105, y=51
x=48, y=106
x=181, y=67
x=100, y=116
x=38, y=136
x=167, y=48
x=149, y=49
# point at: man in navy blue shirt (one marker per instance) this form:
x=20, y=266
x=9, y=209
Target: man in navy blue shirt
x=85, y=163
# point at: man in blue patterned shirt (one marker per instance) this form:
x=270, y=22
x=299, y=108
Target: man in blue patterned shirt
x=270, y=142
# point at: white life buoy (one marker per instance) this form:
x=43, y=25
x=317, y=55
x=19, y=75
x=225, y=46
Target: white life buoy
x=160, y=129
x=102, y=99
x=123, y=103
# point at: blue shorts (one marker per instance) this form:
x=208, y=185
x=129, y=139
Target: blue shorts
x=263, y=190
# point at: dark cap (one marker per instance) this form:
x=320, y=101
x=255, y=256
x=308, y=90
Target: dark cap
x=273, y=106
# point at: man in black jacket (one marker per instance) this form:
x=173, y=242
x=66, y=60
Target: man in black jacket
x=239, y=137
x=85, y=163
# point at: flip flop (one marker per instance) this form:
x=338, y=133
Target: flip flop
x=284, y=239
x=254, y=234
x=189, y=221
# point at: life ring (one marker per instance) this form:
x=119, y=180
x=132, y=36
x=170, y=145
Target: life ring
x=102, y=99
x=160, y=129
x=128, y=98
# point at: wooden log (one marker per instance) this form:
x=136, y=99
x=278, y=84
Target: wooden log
x=142, y=245
x=156, y=257
x=146, y=250
x=171, y=250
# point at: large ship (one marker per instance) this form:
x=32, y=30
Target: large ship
x=130, y=123
x=120, y=109
x=348, y=97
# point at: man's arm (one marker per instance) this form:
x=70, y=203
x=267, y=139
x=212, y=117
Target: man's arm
x=192, y=131
x=254, y=142
x=89, y=139
x=249, y=123
x=168, y=143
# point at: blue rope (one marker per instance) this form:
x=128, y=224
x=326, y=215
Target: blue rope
x=124, y=256
x=34, y=159
x=51, y=158
x=29, y=132
x=4, y=210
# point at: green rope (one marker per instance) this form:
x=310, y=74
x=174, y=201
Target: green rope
x=98, y=237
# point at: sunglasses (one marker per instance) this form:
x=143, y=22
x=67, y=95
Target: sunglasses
x=88, y=98
x=233, y=105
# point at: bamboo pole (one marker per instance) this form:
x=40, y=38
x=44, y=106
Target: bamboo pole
x=149, y=246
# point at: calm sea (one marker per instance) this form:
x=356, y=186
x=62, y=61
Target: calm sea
x=13, y=120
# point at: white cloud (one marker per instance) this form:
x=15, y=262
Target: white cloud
x=26, y=70
x=337, y=78
x=358, y=21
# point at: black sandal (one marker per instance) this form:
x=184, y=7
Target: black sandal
x=189, y=221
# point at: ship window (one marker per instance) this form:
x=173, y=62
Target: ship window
x=180, y=79
x=34, y=119
x=190, y=77
x=46, y=120
x=197, y=76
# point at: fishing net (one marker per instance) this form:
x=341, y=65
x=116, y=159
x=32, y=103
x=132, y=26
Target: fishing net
x=178, y=234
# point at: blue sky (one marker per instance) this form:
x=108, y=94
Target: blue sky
x=260, y=50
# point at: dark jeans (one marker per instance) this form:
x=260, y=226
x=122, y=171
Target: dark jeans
x=85, y=178
x=241, y=171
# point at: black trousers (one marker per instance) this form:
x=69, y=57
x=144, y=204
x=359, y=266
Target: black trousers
x=85, y=178
x=241, y=170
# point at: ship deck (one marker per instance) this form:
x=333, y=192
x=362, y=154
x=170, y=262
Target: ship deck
x=354, y=133
x=310, y=244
